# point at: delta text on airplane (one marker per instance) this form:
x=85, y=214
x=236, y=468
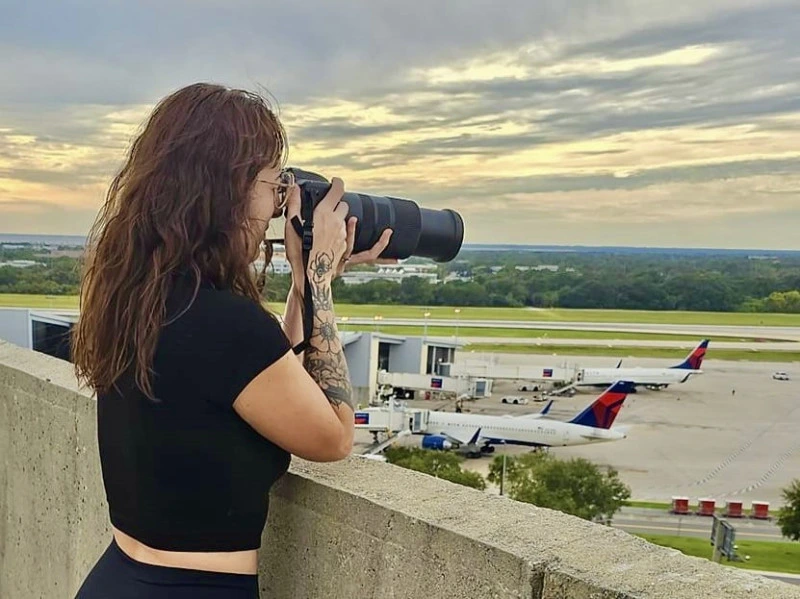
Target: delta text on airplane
x=652, y=378
x=475, y=434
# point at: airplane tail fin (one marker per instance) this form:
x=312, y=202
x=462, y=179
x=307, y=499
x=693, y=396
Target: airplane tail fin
x=695, y=359
x=546, y=409
x=602, y=412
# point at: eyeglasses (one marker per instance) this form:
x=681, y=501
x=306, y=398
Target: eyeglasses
x=283, y=185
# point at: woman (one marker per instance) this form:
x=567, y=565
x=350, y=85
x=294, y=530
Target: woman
x=200, y=399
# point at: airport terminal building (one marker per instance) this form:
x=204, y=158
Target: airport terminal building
x=367, y=353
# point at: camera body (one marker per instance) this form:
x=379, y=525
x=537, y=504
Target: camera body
x=422, y=232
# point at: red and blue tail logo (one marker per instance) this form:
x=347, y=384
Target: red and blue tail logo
x=604, y=410
x=695, y=359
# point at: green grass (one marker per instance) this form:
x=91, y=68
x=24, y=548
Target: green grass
x=449, y=331
x=528, y=314
x=664, y=506
x=633, y=352
x=18, y=300
x=564, y=315
x=653, y=505
x=771, y=556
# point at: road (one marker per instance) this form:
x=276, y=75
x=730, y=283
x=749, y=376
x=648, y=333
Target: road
x=705, y=330
x=783, y=577
x=643, y=520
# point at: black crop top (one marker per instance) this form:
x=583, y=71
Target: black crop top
x=187, y=473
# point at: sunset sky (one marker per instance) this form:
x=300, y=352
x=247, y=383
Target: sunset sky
x=660, y=123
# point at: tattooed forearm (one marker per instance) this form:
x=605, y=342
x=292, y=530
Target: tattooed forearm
x=332, y=376
x=324, y=358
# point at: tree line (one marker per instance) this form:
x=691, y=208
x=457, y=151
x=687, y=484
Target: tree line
x=599, y=282
x=546, y=280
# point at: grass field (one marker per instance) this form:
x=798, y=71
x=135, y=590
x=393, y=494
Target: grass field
x=633, y=352
x=664, y=506
x=553, y=315
x=563, y=315
x=764, y=555
x=58, y=302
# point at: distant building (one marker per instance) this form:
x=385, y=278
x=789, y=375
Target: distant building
x=393, y=272
x=40, y=330
x=454, y=276
x=367, y=353
x=21, y=263
x=278, y=265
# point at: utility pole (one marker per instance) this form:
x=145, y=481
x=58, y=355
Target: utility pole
x=503, y=475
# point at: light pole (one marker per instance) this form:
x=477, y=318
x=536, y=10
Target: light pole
x=425, y=329
x=503, y=475
x=344, y=320
x=458, y=319
x=377, y=319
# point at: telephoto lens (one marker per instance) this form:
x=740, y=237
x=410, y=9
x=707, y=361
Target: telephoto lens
x=421, y=232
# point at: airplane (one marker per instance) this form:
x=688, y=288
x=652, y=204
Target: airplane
x=651, y=378
x=474, y=435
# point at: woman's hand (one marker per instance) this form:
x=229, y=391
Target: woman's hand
x=370, y=256
x=294, y=244
x=330, y=233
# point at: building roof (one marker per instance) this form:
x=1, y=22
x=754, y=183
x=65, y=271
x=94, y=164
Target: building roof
x=61, y=317
x=435, y=342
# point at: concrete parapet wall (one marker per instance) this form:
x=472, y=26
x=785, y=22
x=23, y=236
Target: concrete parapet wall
x=354, y=528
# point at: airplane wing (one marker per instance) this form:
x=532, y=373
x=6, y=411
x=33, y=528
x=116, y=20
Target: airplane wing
x=462, y=439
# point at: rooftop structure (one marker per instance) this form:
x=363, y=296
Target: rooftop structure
x=356, y=528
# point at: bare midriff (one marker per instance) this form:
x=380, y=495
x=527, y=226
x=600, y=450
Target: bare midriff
x=232, y=562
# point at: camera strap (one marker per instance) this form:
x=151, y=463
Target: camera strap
x=305, y=230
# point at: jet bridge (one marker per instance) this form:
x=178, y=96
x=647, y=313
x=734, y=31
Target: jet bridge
x=527, y=374
x=406, y=385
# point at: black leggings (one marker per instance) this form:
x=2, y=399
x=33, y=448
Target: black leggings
x=118, y=576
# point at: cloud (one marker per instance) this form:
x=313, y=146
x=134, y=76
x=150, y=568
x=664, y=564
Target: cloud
x=578, y=115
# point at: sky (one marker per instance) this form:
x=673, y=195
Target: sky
x=665, y=123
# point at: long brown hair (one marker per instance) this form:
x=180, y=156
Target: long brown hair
x=179, y=203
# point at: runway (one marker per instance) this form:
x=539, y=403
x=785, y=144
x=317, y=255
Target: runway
x=645, y=520
x=700, y=330
x=687, y=345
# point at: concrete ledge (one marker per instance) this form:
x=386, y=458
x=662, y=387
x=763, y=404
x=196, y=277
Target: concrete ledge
x=354, y=528
x=391, y=529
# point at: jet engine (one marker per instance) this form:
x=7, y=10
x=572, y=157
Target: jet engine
x=436, y=442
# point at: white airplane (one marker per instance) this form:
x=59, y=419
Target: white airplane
x=477, y=434
x=652, y=378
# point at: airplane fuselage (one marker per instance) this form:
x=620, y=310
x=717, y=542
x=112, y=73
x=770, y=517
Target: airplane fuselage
x=516, y=431
x=638, y=376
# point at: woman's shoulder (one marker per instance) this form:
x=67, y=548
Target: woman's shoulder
x=215, y=309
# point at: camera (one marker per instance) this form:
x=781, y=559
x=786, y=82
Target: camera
x=422, y=232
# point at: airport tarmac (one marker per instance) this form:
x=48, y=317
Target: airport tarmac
x=730, y=433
